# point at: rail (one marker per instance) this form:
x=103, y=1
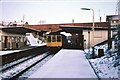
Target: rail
x=12, y=73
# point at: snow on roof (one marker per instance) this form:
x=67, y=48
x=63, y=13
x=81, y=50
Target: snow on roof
x=66, y=34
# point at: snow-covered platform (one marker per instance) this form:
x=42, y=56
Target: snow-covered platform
x=27, y=48
x=66, y=64
x=8, y=52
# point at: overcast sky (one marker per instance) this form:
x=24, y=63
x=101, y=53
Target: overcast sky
x=55, y=11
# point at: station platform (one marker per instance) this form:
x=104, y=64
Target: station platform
x=6, y=52
x=14, y=55
x=66, y=63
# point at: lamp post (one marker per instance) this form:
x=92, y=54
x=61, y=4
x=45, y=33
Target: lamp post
x=92, y=30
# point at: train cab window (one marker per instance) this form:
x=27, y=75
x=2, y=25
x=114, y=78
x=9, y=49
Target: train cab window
x=49, y=39
x=53, y=39
x=58, y=38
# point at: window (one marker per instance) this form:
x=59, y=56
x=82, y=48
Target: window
x=49, y=39
x=53, y=39
x=58, y=38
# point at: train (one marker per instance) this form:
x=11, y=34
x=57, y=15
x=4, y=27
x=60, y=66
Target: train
x=55, y=41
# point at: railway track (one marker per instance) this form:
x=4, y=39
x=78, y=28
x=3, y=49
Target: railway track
x=12, y=64
x=14, y=71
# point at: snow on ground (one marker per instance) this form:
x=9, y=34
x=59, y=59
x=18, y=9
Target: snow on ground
x=12, y=72
x=66, y=64
x=14, y=62
x=32, y=41
x=106, y=66
x=36, y=67
x=12, y=51
x=8, y=52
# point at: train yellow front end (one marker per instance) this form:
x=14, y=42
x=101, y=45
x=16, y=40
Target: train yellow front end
x=54, y=41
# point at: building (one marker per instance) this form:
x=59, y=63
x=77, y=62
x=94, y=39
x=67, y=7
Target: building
x=13, y=37
x=83, y=35
x=119, y=7
x=114, y=21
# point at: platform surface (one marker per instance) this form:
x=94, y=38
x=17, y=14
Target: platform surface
x=66, y=63
x=13, y=51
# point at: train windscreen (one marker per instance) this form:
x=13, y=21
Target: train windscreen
x=53, y=39
x=49, y=39
x=58, y=38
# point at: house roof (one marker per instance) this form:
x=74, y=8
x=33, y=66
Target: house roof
x=19, y=30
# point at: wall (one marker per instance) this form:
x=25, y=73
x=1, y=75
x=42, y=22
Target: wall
x=99, y=36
